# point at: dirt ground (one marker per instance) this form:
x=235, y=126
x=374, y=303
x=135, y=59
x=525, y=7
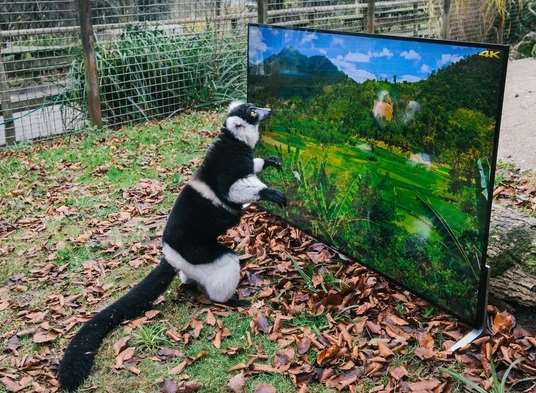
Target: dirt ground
x=517, y=143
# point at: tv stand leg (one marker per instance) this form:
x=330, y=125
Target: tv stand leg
x=467, y=339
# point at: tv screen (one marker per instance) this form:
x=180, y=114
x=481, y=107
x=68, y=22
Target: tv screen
x=388, y=147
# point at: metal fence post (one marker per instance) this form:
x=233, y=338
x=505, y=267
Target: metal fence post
x=371, y=6
x=92, y=80
x=5, y=98
x=262, y=11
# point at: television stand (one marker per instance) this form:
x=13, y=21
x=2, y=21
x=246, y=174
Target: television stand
x=484, y=320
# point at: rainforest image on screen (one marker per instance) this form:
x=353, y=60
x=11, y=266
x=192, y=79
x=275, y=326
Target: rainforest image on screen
x=386, y=147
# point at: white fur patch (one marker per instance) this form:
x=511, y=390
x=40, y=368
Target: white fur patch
x=184, y=278
x=219, y=277
x=242, y=130
x=206, y=192
x=258, y=165
x=246, y=190
x=234, y=104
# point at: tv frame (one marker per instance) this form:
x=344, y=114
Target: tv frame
x=479, y=324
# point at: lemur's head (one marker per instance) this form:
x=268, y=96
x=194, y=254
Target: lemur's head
x=243, y=120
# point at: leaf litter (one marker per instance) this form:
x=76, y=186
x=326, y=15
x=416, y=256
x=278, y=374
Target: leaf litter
x=340, y=335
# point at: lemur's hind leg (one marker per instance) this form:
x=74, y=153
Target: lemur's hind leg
x=225, y=273
x=216, y=268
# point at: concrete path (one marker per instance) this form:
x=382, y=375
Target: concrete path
x=517, y=142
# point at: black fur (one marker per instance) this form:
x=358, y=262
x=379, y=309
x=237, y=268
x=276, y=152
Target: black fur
x=78, y=358
x=192, y=229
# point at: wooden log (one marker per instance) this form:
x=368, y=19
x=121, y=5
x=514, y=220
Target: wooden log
x=512, y=256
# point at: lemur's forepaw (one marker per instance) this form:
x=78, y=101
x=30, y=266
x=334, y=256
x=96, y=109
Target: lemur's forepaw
x=274, y=162
x=269, y=194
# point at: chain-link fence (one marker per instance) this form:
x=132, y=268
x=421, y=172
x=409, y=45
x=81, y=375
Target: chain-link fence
x=153, y=58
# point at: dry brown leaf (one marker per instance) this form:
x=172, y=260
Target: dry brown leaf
x=43, y=336
x=327, y=354
x=120, y=345
x=166, y=353
x=236, y=384
x=196, y=325
x=262, y=324
x=283, y=357
x=398, y=373
x=425, y=385
x=384, y=350
x=210, y=320
x=264, y=388
x=169, y=386
x=503, y=322
x=303, y=345
x=217, y=340
x=11, y=385
x=179, y=368
x=124, y=356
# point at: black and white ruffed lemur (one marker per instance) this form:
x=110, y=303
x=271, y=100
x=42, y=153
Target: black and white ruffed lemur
x=207, y=207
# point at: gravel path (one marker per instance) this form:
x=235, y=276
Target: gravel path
x=517, y=142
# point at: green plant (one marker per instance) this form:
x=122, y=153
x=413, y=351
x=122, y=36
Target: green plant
x=497, y=385
x=152, y=73
x=150, y=337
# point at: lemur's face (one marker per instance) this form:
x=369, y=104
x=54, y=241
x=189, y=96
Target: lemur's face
x=243, y=120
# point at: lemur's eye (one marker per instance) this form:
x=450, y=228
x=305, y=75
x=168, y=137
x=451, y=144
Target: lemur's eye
x=253, y=114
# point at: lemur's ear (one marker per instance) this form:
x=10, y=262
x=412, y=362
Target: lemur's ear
x=234, y=105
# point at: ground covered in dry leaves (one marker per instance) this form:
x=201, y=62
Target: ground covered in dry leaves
x=80, y=222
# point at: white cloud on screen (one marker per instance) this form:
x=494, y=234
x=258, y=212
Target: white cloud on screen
x=425, y=69
x=256, y=46
x=410, y=78
x=350, y=69
x=448, y=58
x=309, y=37
x=410, y=55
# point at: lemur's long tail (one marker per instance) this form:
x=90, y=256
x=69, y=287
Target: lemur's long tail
x=78, y=358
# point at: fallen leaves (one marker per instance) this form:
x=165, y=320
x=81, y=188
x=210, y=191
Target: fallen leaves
x=354, y=326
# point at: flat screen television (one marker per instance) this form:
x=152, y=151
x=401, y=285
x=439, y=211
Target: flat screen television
x=388, y=147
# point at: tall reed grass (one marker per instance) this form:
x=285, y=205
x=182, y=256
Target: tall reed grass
x=151, y=73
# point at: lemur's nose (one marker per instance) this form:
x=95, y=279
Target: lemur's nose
x=263, y=113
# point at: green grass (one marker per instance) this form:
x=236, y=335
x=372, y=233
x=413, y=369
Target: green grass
x=74, y=256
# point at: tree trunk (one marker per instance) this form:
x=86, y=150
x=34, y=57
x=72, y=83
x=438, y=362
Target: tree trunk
x=512, y=256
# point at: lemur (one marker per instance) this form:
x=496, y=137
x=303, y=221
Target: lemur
x=207, y=206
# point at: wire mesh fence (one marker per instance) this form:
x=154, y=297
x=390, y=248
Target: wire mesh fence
x=155, y=58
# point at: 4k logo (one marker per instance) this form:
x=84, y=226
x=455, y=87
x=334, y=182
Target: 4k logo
x=495, y=54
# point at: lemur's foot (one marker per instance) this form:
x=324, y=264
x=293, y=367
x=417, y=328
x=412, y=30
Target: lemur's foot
x=273, y=161
x=269, y=194
x=235, y=301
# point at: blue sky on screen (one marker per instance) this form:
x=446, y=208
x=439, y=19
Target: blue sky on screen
x=361, y=58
